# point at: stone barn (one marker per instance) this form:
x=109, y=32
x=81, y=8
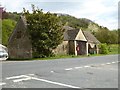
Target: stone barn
x=77, y=42
x=19, y=45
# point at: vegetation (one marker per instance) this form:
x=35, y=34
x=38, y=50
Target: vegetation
x=106, y=36
x=9, y=15
x=75, y=22
x=45, y=30
x=114, y=49
x=103, y=49
x=7, y=28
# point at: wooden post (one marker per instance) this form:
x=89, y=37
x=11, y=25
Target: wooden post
x=87, y=48
x=75, y=42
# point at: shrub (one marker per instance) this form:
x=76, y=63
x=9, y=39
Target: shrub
x=103, y=48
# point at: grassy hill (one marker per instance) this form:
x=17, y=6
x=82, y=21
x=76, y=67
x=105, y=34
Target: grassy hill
x=82, y=23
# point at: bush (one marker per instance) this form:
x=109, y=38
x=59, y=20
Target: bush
x=103, y=48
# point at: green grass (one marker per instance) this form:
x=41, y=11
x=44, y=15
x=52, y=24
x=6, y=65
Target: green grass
x=60, y=57
x=114, y=49
x=49, y=58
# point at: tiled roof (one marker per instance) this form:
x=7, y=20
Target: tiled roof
x=70, y=34
x=90, y=37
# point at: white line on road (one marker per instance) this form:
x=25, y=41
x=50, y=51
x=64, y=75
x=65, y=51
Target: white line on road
x=20, y=76
x=14, y=77
x=69, y=69
x=23, y=79
x=108, y=63
x=2, y=84
x=30, y=76
x=113, y=62
x=86, y=66
x=52, y=71
x=57, y=83
x=78, y=67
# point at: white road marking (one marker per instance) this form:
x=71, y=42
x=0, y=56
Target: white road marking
x=23, y=79
x=14, y=77
x=69, y=69
x=90, y=66
x=108, y=63
x=57, y=83
x=20, y=76
x=31, y=74
x=86, y=66
x=2, y=84
x=78, y=67
x=113, y=62
x=52, y=71
x=30, y=77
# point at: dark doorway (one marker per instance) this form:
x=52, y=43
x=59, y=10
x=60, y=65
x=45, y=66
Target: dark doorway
x=81, y=48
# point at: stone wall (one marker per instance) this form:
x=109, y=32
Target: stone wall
x=62, y=49
x=72, y=47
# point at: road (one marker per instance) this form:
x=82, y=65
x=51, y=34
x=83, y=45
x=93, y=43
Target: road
x=87, y=72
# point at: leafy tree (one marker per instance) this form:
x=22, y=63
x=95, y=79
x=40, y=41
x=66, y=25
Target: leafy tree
x=45, y=31
x=7, y=28
x=106, y=36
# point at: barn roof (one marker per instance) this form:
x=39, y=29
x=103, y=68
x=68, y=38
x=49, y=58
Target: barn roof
x=70, y=34
x=90, y=37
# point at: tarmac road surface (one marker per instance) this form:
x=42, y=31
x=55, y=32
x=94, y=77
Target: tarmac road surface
x=87, y=72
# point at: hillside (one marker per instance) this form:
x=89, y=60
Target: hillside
x=103, y=34
x=82, y=23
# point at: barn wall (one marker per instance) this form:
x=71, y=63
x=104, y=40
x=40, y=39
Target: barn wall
x=72, y=47
x=62, y=49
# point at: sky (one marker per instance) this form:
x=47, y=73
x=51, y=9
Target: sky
x=102, y=12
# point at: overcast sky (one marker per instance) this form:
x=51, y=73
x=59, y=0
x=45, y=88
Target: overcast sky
x=103, y=12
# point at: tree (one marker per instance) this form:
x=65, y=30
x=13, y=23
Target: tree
x=106, y=36
x=45, y=31
x=8, y=26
